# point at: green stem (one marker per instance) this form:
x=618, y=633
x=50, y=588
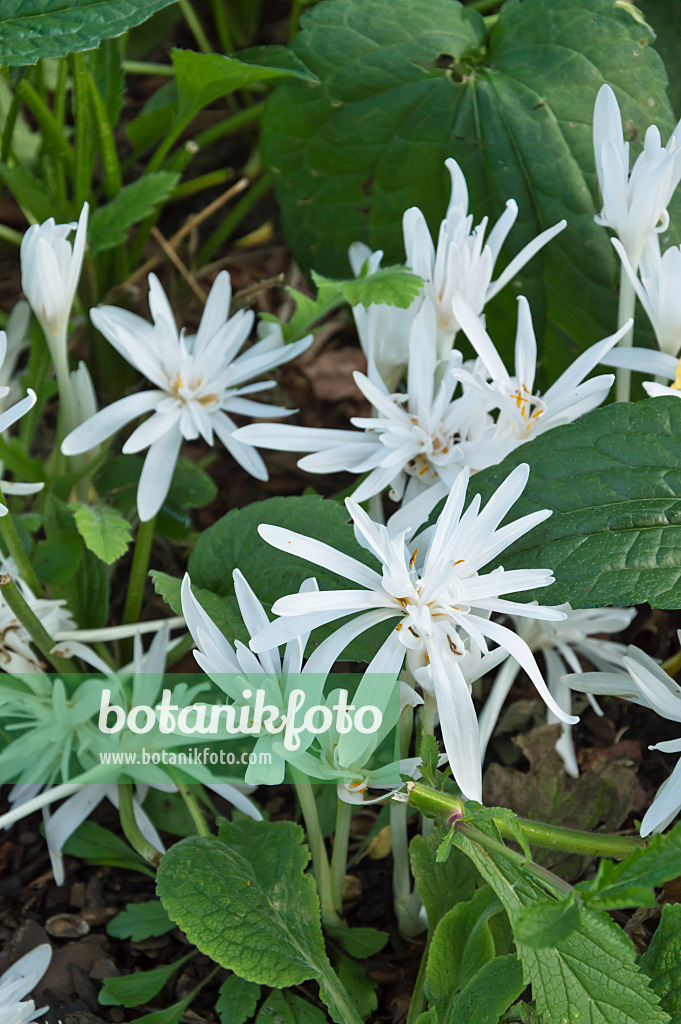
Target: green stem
x=295, y=18
x=112, y=167
x=8, y=129
x=222, y=26
x=50, y=127
x=339, y=857
x=189, y=188
x=10, y=538
x=234, y=218
x=32, y=624
x=59, y=107
x=138, y=571
x=82, y=134
x=418, y=998
x=554, y=837
x=484, y=5
x=497, y=848
x=143, y=67
x=197, y=29
x=191, y=803
x=10, y=235
x=131, y=829
x=625, y=311
x=320, y=861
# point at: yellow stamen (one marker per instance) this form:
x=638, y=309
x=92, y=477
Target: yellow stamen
x=677, y=383
x=413, y=558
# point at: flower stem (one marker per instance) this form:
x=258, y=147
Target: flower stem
x=495, y=847
x=339, y=858
x=32, y=624
x=138, y=571
x=407, y=902
x=197, y=29
x=131, y=829
x=320, y=861
x=10, y=537
x=554, y=837
x=625, y=311
x=192, y=805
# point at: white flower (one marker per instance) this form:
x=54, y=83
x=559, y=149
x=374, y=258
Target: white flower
x=18, y=341
x=383, y=330
x=8, y=418
x=20, y=979
x=463, y=261
x=648, y=685
x=649, y=361
x=524, y=414
x=433, y=585
x=50, y=271
x=658, y=290
x=560, y=644
x=197, y=382
x=634, y=204
x=412, y=441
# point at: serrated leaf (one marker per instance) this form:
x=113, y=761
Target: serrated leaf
x=32, y=29
x=237, y=1000
x=406, y=77
x=105, y=532
x=138, y=988
x=462, y=943
x=394, y=286
x=109, y=224
x=441, y=885
x=662, y=960
x=244, y=900
x=544, y=925
x=613, y=481
x=140, y=921
x=489, y=993
x=631, y=882
x=573, y=981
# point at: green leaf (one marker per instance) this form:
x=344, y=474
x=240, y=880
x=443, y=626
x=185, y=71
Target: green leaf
x=545, y=924
x=441, y=885
x=244, y=900
x=462, y=943
x=109, y=224
x=191, y=486
x=613, y=481
x=97, y=845
x=29, y=191
x=31, y=29
x=662, y=960
x=170, y=1015
x=359, y=942
x=394, y=286
x=237, y=1000
x=140, y=921
x=572, y=981
x=489, y=993
x=234, y=542
x=223, y=612
x=104, y=530
x=86, y=588
x=204, y=77
x=631, y=882
x=359, y=986
x=287, y=1008
x=139, y=988
x=407, y=83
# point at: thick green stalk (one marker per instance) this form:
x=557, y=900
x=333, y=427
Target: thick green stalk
x=192, y=804
x=339, y=858
x=554, y=837
x=138, y=571
x=10, y=537
x=625, y=311
x=497, y=848
x=131, y=829
x=320, y=861
x=32, y=624
x=82, y=134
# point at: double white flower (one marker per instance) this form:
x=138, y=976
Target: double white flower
x=634, y=204
x=414, y=440
x=433, y=586
x=463, y=261
x=197, y=379
x=20, y=979
x=649, y=685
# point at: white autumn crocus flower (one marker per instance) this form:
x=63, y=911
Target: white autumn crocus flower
x=432, y=584
x=649, y=361
x=561, y=644
x=412, y=440
x=50, y=271
x=463, y=260
x=649, y=685
x=199, y=380
x=634, y=203
x=10, y=417
x=658, y=290
x=16, y=983
x=383, y=330
x=524, y=413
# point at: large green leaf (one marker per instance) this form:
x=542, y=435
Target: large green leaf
x=662, y=960
x=613, y=480
x=513, y=107
x=31, y=29
x=244, y=900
